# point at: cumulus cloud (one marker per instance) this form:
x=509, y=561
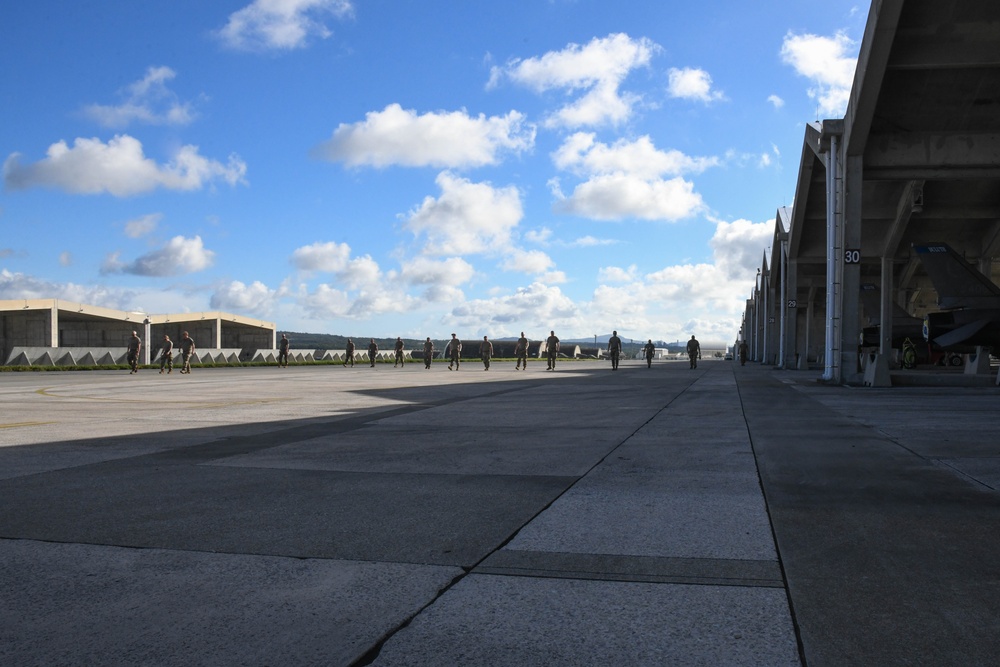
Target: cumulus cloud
x=22, y=286
x=592, y=241
x=280, y=24
x=616, y=274
x=527, y=261
x=739, y=245
x=142, y=226
x=397, y=136
x=597, y=69
x=255, y=298
x=582, y=154
x=828, y=62
x=776, y=101
x=467, y=218
x=329, y=257
x=537, y=307
x=118, y=167
x=148, y=100
x=425, y=271
x=621, y=196
x=178, y=257
x=625, y=179
x=692, y=83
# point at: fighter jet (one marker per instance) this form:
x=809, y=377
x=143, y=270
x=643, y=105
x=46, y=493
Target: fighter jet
x=970, y=301
x=904, y=325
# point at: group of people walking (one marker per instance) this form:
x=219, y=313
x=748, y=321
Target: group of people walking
x=453, y=352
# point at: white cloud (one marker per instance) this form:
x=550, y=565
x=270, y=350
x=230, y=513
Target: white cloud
x=178, y=257
x=142, y=226
x=425, y=271
x=597, y=68
x=616, y=274
x=621, y=196
x=397, y=136
x=255, y=298
x=527, y=261
x=539, y=236
x=329, y=257
x=592, y=241
x=65, y=258
x=467, y=218
x=581, y=154
x=692, y=83
x=118, y=167
x=738, y=247
x=828, y=63
x=21, y=286
x=280, y=24
x=536, y=308
x=146, y=101
x=776, y=101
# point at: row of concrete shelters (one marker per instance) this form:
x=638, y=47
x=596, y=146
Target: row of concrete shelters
x=915, y=160
x=55, y=328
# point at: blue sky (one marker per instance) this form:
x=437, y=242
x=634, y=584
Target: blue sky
x=389, y=168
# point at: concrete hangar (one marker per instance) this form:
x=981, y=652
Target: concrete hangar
x=57, y=332
x=914, y=161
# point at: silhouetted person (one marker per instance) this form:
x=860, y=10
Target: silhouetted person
x=649, y=351
x=694, y=351
x=744, y=349
x=349, y=353
x=283, y=352
x=615, y=349
x=372, y=352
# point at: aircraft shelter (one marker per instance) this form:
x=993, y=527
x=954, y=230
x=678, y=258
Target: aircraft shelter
x=914, y=160
x=59, y=332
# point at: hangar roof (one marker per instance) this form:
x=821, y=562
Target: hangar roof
x=924, y=118
x=69, y=310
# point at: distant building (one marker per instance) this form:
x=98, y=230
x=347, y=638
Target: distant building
x=56, y=329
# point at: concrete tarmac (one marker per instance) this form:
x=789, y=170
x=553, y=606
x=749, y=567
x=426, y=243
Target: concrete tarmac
x=321, y=515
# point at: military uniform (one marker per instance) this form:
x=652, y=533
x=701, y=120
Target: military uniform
x=454, y=352
x=372, y=352
x=694, y=352
x=187, y=347
x=134, y=346
x=428, y=352
x=615, y=350
x=486, y=352
x=551, y=350
x=521, y=352
x=167, y=355
x=398, y=350
x=349, y=353
x=648, y=350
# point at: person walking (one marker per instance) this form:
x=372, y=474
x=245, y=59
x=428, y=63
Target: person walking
x=372, y=352
x=398, y=352
x=454, y=352
x=551, y=350
x=615, y=350
x=694, y=351
x=744, y=349
x=521, y=352
x=132, y=354
x=428, y=352
x=349, y=353
x=187, y=349
x=167, y=355
x=648, y=351
x=486, y=352
x=283, y=352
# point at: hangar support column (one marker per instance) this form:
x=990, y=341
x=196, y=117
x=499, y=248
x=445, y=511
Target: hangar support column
x=850, y=261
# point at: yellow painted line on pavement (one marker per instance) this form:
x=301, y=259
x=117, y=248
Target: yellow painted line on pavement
x=20, y=424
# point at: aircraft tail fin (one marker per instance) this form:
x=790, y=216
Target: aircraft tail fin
x=958, y=284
